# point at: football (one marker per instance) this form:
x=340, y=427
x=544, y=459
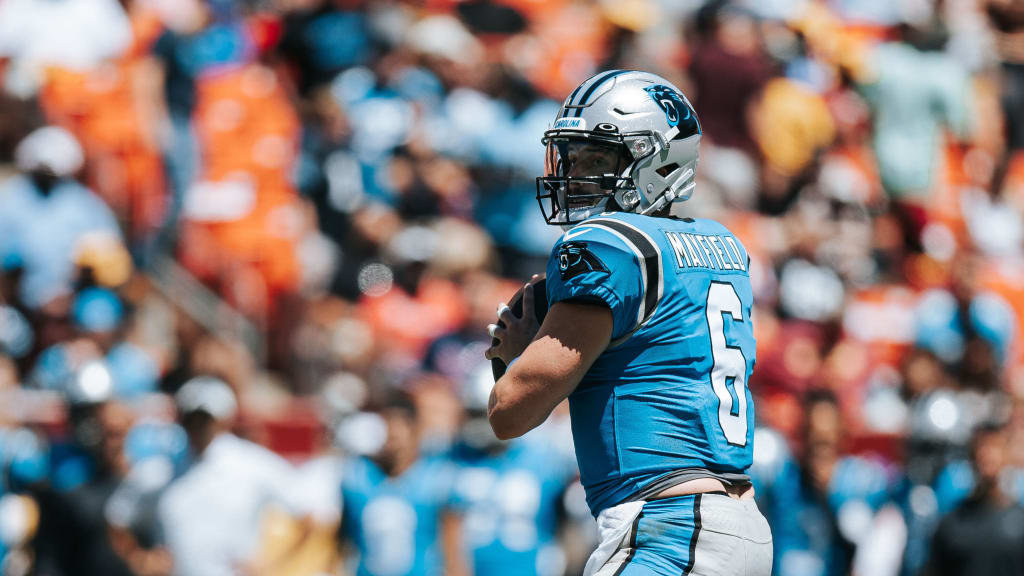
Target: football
x=540, y=308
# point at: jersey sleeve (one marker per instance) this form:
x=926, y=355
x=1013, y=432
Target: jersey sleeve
x=593, y=265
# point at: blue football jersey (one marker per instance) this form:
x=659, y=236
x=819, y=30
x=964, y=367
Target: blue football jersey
x=395, y=523
x=956, y=481
x=23, y=459
x=155, y=439
x=670, y=391
x=510, y=502
x=70, y=466
x=814, y=533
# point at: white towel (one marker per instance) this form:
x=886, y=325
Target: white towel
x=613, y=526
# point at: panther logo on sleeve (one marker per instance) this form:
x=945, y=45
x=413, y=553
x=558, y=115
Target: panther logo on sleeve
x=574, y=259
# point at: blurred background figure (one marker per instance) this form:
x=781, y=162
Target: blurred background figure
x=398, y=507
x=918, y=93
x=212, y=514
x=825, y=503
x=73, y=535
x=24, y=474
x=511, y=493
x=983, y=534
x=48, y=218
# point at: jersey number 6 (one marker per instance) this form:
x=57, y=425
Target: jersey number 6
x=729, y=366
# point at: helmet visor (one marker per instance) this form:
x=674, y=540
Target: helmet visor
x=580, y=174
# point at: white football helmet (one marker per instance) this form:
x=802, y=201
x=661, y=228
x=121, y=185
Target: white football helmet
x=624, y=140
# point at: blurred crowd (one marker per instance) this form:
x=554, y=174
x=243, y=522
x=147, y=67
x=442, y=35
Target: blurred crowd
x=249, y=249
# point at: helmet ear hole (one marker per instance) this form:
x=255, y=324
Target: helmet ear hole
x=667, y=169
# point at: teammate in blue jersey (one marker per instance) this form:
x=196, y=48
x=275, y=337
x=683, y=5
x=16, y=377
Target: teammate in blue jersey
x=822, y=503
x=510, y=493
x=398, y=507
x=648, y=335
x=22, y=470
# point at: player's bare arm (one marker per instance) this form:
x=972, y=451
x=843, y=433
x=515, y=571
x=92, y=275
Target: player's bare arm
x=455, y=562
x=551, y=359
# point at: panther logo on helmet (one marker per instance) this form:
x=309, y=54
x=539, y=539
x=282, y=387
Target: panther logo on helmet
x=672, y=104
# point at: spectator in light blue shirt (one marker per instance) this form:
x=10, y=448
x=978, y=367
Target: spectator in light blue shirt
x=916, y=93
x=45, y=215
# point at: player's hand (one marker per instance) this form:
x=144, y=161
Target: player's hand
x=517, y=333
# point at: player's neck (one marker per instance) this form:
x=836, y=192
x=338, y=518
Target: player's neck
x=989, y=491
x=401, y=462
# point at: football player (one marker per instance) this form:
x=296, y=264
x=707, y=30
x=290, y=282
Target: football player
x=510, y=493
x=648, y=335
x=397, y=506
